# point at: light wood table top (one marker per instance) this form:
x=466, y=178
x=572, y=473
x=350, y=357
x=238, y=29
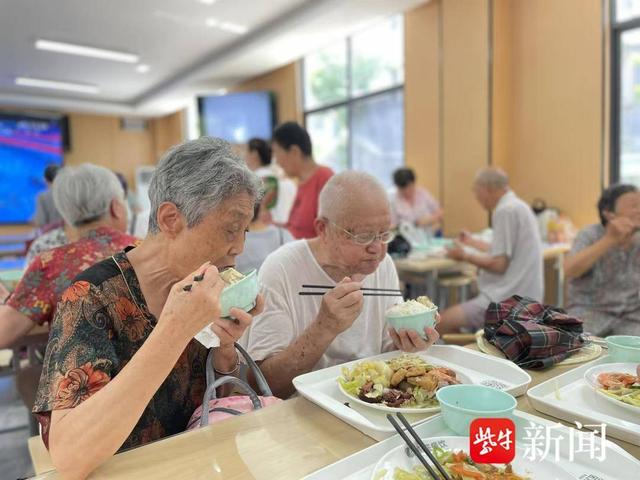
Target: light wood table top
x=286, y=441
x=428, y=264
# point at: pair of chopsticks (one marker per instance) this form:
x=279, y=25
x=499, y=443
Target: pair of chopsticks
x=416, y=451
x=369, y=292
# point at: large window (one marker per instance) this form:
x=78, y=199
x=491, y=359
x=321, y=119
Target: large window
x=354, y=101
x=625, y=159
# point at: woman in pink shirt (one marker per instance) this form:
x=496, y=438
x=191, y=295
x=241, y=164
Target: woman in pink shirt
x=291, y=146
x=414, y=204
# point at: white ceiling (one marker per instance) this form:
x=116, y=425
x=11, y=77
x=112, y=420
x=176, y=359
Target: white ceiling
x=186, y=57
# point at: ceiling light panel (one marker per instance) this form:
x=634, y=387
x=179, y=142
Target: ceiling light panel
x=56, y=85
x=72, y=49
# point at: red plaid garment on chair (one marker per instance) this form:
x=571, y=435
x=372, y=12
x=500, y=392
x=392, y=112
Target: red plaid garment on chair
x=532, y=334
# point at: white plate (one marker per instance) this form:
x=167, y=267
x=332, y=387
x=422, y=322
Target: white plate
x=384, y=408
x=591, y=377
x=397, y=457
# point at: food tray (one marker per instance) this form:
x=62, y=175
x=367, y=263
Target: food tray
x=578, y=401
x=619, y=465
x=321, y=386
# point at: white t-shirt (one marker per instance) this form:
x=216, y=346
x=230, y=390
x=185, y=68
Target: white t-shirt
x=287, y=314
x=258, y=245
x=516, y=235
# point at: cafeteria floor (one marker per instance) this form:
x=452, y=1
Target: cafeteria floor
x=14, y=433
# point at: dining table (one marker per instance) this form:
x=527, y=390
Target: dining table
x=285, y=441
x=428, y=265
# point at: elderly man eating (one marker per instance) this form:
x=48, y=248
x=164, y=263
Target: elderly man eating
x=297, y=334
x=511, y=264
x=122, y=367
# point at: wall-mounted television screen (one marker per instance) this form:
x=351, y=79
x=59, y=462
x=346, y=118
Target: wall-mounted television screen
x=27, y=145
x=237, y=117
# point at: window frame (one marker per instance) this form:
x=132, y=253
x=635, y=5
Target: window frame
x=617, y=30
x=350, y=99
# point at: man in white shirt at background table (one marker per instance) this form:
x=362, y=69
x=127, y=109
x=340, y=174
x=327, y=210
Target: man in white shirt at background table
x=512, y=264
x=296, y=334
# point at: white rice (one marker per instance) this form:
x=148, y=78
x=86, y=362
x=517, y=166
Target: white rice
x=410, y=307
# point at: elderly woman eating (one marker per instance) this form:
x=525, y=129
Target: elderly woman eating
x=603, y=267
x=91, y=201
x=122, y=367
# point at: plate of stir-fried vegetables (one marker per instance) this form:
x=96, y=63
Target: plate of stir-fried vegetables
x=451, y=453
x=619, y=383
x=406, y=384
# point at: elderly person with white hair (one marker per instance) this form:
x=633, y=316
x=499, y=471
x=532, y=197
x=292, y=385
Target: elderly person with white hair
x=297, y=334
x=122, y=367
x=511, y=264
x=91, y=200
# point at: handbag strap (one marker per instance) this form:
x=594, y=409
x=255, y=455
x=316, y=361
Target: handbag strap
x=210, y=394
x=261, y=382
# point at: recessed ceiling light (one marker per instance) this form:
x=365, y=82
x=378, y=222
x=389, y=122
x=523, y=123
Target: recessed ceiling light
x=211, y=22
x=208, y=2
x=72, y=49
x=226, y=26
x=56, y=85
x=233, y=28
x=142, y=68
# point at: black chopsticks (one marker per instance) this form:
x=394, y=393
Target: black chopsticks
x=416, y=451
x=375, y=292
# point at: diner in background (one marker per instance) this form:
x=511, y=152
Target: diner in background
x=46, y=210
x=122, y=368
x=603, y=267
x=511, y=264
x=260, y=240
x=294, y=153
x=296, y=334
x=413, y=204
x=91, y=200
x=279, y=191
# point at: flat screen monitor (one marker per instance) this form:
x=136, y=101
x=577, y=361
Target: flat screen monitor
x=237, y=117
x=27, y=145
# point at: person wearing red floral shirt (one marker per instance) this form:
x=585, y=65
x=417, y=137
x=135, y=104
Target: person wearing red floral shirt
x=122, y=367
x=90, y=198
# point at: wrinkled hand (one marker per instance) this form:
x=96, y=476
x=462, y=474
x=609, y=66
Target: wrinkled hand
x=457, y=252
x=341, y=306
x=464, y=237
x=620, y=229
x=411, y=341
x=189, y=312
x=229, y=331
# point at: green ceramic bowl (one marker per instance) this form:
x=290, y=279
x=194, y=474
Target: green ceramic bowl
x=624, y=348
x=240, y=295
x=461, y=404
x=417, y=321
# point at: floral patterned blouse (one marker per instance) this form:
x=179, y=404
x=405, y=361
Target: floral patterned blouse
x=101, y=322
x=51, y=272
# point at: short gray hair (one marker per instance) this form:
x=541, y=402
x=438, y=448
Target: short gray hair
x=492, y=178
x=83, y=194
x=197, y=176
x=345, y=189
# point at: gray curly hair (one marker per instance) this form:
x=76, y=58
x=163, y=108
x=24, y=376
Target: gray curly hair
x=197, y=176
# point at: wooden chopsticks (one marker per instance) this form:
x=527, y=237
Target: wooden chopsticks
x=375, y=292
x=416, y=451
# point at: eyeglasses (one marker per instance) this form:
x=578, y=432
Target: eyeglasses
x=367, y=238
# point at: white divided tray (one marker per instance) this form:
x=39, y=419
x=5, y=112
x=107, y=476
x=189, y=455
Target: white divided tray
x=321, y=387
x=569, y=397
x=618, y=464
